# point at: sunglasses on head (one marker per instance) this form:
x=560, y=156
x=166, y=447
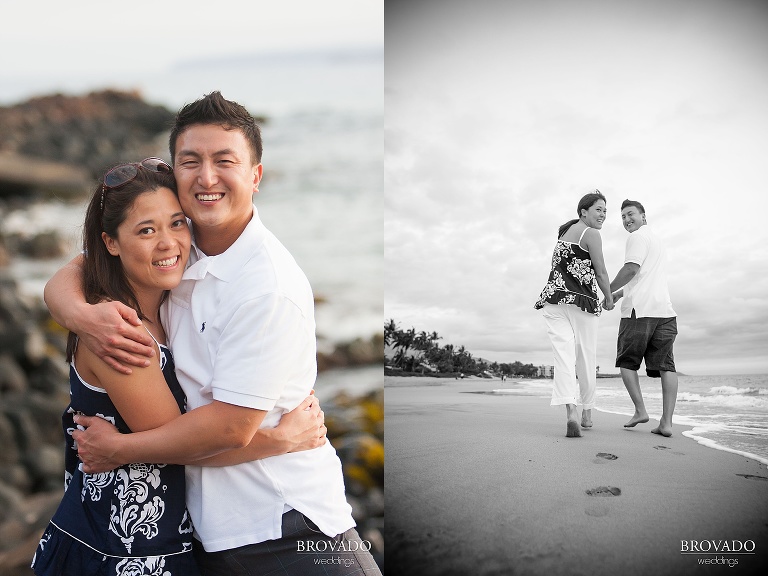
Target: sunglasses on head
x=124, y=173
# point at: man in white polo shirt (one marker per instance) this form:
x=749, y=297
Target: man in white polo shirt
x=241, y=327
x=648, y=323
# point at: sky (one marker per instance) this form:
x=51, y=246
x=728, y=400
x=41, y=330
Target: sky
x=45, y=43
x=500, y=115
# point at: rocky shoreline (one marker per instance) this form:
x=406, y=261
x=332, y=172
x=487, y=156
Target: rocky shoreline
x=76, y=137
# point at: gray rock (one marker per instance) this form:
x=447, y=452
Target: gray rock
x=10, y=502
x=17, y=476
x=12, y=377
x=46, y=466
x=9, y=451
x=90, y=132
x=35, y=346
x=22, y=173
x=44, y=246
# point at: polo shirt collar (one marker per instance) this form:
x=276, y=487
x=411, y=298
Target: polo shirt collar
x=225, y=266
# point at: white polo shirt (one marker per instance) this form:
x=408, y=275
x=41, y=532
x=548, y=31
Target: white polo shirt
x=242, y=331
x=647, y=292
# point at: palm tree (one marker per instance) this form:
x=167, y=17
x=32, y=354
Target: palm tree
x=404, y=342
x=390, y=329
x=433, y=338
x=444, y=358
x=420, y=341
x=463, y=359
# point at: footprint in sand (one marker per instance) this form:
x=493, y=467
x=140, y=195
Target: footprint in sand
x=603, y=456
x=752, y=477
x=604, y=491
x=667, y=448
x=597, y=510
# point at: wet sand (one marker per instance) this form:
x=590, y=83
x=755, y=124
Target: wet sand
x=481, y=483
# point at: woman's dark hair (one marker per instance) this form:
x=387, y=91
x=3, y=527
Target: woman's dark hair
x=215, y=109
x=586, y=202
x=103, y=275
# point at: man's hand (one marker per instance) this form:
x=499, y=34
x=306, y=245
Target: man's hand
x=113, y=332
x=616, y=295
x=304, y=426
x=95, y=441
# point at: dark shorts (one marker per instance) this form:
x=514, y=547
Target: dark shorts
x=646, y=338
x=303, y=550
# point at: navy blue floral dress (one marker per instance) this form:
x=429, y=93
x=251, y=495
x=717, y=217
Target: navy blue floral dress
x=130, y=521
x=572, y=279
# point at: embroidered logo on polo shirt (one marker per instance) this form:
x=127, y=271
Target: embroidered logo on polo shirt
x=202, y=328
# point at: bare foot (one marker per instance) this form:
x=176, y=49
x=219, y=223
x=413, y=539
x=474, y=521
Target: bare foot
x=663, y=430
x=638, y=418
x=573, y=430
x=586, y=418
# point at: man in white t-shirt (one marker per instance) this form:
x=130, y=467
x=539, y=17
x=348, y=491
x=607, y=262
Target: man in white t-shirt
x=648, y=323
x=242, y=330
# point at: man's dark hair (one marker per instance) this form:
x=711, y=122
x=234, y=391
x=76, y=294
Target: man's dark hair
x=634, y=203
x=215, y=109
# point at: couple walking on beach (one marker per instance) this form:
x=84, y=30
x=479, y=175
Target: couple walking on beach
x=571, y=306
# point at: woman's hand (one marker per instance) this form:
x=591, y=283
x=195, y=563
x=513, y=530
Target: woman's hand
x=610, y=303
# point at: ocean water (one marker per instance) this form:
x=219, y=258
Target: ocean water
x=726, y=412
x=322, y=192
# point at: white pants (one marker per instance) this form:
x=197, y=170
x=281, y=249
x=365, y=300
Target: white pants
x=573, y=334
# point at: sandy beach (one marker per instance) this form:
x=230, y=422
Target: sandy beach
x=481, y=483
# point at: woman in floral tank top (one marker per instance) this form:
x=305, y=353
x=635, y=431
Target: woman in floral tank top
x=570, y=306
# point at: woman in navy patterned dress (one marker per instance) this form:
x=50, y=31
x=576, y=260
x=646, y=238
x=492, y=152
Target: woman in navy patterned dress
x=570, y=307
x=132, y=520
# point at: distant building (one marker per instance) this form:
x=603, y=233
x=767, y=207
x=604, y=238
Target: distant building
x=424, y=365
x=546, y=371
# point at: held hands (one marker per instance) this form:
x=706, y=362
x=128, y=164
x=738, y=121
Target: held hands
x=113, y=332
x=304, y=426
x=614, y=298
x=94, y=438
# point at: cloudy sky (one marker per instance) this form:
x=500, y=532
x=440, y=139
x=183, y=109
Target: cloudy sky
x=45, y=43
x=500, y=115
